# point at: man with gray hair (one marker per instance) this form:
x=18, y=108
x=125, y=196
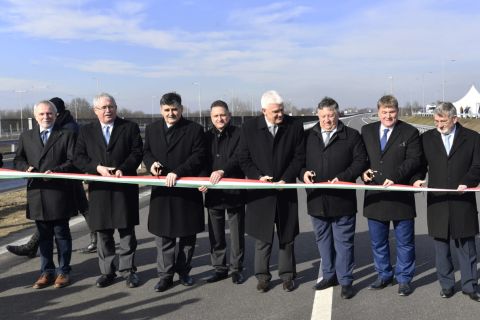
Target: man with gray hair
x=271, y=149
x=452, y=158
x=334, y=152
x=47, y=149
x=112, y=147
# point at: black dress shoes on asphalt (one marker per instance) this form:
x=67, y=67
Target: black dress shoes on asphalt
x=404, y=289
x=380, y=284
x=186, y=280
x=288, y=285
x=237, y=277
x=105, y=280
x=472, y=295
x=164, y=284
x=326, y=283
x=217, y=276
x=347, y=292
x=447, y=293
x=263, y=285
x=132, y=280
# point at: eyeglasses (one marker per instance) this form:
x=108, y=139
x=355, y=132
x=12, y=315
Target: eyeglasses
x=103, y=108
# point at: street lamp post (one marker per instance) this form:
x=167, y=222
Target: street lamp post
x=423, y=92
x=21, y=109
x=199, y=102
x=391, y=84
x=443, y=77
x=153, y=97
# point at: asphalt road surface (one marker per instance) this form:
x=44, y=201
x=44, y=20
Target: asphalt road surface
x=224, y=300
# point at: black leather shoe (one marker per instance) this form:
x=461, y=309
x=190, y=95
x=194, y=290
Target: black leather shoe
x=404, y=289
x=347, y=292
x=132, y=280
x=263, y=285
x=237, y=277
x=186, y=280
x=26, y=250
x=217, y=276
x=164, y=284
x=92, y=246
x=447, y=293
x=380, y=284
x=326, y=283
x=288, y=285
x=472, y=295
x=105, y=280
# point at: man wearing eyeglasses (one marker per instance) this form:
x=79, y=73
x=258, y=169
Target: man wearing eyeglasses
x=112, y=147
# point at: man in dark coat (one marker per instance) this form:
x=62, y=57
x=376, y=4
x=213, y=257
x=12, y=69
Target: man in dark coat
x=394, y=154
x=174, y=147
x=47, y=149
x=112, y=147
x=222, y=142
x=64, y=120
x=452, y=155
x=272, y=149
x=334, y=152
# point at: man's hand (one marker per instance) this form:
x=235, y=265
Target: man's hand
x=420, y=183
x=170, y=179
x=203, y=189
x=118, y=173
x=156, y=168
x=30, y=169
x=308, y=177
x=387, y=183
x=216, y=176
x=266, y=179
x=334, y=180
x=368, y=175
x=48, y=171
x=462, y=187
x=105, y=171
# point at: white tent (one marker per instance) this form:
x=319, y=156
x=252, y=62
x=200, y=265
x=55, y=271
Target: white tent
x=470, y=103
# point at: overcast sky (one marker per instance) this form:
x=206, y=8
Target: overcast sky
x=353, y=50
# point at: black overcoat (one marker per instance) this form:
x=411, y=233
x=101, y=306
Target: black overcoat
x=399, y=162
x=282, y=158
x=452, y=214
x=344, y=158
x=47, y=200
x=176, y=212
x=112, y=205
x=223, y=159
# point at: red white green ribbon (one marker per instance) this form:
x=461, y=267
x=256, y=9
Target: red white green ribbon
x=225, y=183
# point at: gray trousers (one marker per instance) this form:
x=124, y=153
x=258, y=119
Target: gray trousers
x=167, y=265
x=218, y=244
x=467, y=258
x=126, y=253
x=286, y=260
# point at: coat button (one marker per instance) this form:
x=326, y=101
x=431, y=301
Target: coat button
x=218, y=155
x=381, y=162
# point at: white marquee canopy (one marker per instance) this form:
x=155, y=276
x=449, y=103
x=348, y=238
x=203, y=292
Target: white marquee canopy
x=470, y=103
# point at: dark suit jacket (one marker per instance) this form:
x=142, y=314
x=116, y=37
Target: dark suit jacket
x=221, y=155
x=452, y=215
x=400, y=160
x=112, y=205
x=344, y=157
x=281, y=158
x=176, y=212
x=47, y=200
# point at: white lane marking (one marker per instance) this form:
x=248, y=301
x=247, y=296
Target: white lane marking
x=73, y=221
x=323, y=300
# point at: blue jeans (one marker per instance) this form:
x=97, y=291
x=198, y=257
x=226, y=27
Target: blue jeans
x=335, y=242
x=405, y=240
x=63, y=239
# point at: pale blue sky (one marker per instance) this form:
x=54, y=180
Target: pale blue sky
x=350, y=50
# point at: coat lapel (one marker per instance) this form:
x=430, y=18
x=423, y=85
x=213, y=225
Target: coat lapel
x=98, y=137
x=178, y=133
x=393, y=136
x=458, y=139
x=438, y=141
x=118, y=127
x=52, y=139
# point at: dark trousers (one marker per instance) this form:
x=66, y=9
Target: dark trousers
x=126, y=253
x=467, y=258
x=334, y=237
x=405, y=240
x=60, y=230
x=167, y=265
x=218, y=244
x=286, y=260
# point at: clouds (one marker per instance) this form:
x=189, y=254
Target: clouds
x=303, y=48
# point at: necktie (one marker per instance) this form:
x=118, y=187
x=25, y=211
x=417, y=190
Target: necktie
x=107, y=134
x=273, y=130
x=44, y=137
x=447, y=143
x=326, y=138
x=383, y=139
